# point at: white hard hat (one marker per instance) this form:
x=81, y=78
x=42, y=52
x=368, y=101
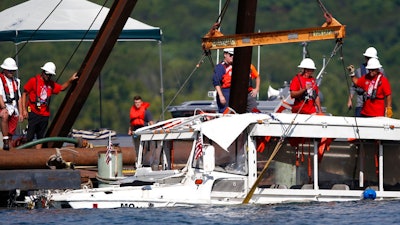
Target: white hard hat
x=228, y=50
x=373, y=63
x=371, y=52
x=9, y=64
x=307, y=63
x=49, y=67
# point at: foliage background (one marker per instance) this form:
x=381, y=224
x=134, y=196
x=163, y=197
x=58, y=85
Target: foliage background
x=133, y=67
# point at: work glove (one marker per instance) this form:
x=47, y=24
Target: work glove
x=350, y=68
x=389, y=112
x=310, y=94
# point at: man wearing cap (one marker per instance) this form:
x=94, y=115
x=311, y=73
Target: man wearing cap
x=222, y=83
x=377, y=91
x=36, y=98
x=10, y=104
x=369, y=53
x=222, y=79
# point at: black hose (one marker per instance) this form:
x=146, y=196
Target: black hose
x=50, y=139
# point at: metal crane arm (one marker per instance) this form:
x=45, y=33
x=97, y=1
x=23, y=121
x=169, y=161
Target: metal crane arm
x=332, y=29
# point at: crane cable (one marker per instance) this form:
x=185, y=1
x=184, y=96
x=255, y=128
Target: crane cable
x=75, y=50
x=278, y=146
x=184, y=83
x=327, y=15
x=206, y=53
x=34, y=32
x=80, y=42
x=216, y=26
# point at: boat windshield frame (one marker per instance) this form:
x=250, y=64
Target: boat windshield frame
x=234, y=161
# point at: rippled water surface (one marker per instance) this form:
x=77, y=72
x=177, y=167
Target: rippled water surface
x=361, y=212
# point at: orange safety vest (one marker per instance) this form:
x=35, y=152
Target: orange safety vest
x=137, y=114
x=227, y=77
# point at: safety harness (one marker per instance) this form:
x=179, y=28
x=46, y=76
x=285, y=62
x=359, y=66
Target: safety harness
x=7, y=90
x=38, y=92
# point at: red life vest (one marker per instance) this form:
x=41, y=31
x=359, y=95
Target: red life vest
x=137, y=114
x=7, y=90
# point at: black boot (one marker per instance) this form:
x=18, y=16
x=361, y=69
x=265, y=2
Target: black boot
x=6, y=145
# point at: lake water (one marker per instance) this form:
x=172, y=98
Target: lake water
x=360, y=212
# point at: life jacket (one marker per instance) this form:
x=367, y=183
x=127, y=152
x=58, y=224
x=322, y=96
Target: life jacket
x=137, y=115
x=7, y=90
x=371, y=92
x=253, y=75
x=227, y=77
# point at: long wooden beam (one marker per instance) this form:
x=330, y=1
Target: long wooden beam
x=90, y=69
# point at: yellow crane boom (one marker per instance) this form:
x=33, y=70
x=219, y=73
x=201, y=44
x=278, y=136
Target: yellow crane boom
x=331, y=29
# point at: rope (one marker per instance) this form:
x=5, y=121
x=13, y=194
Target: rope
x=276, y=149
x=184, y=83
x=206, y=53
x=37, y=29
x=69, y=60
x=338, y=46
x=80, y=42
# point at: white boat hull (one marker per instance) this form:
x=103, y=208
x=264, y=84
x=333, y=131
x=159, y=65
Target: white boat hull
x=229, y=165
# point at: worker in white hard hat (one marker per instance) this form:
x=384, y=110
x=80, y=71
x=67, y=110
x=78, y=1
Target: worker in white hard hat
x=10, y=104
x=36, y=99
x=376, y=90
x=304, y=89
x=369, y=53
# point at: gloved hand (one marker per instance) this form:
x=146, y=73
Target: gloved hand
x=350, y=68
x=310, y=94
x=389, y=112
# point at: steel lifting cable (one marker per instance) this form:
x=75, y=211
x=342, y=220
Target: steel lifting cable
x=246, y=200
x=216, y=26
x=206, y=53
x=348, y=86
x=34, y=32
x=223, y=11
x=80, y=42
x=338, y=46
x=184, y=83
x=326, y=13
x=87, y=31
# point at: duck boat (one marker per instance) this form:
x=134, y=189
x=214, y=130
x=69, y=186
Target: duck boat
x=254, y=158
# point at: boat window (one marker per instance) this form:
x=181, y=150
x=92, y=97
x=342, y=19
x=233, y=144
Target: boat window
x=232, y=161
x=166, y=155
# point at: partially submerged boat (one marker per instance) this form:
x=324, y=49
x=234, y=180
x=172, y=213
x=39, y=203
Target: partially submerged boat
x=302, y=158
